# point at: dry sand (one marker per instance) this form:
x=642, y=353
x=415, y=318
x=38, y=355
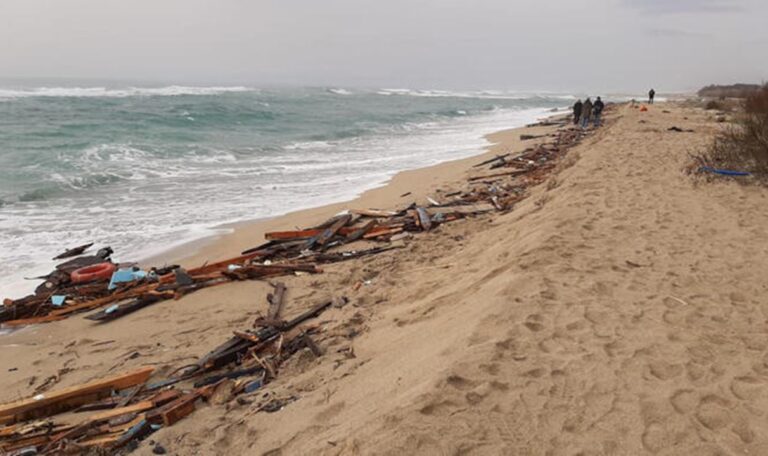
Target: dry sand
x=619, y=310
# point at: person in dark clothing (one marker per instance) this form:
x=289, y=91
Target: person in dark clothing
x=586, y=113
x=577, y=112
x=597, y=110
x=651, y=94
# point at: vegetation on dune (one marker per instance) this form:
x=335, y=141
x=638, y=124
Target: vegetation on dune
x=728, y=91
x=743, y=144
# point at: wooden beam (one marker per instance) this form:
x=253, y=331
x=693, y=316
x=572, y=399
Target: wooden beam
x=516, y=172
x=31, y=321
x=300, y=234
x=358, y=233
x=424, y=221
x=372, y=212
x=51, y=403
x=276, y=301
x=331, y=231
x=175, y=410
x=138, y=407
x=382, y=231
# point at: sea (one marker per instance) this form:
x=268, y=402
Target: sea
x=146, y=168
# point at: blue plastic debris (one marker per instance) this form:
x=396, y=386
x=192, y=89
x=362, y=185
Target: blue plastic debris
x=125, y=275
x=724, y=172
x=253, y=385
x=58, y=300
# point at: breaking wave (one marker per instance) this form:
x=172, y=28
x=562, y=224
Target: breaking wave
x=103, y=92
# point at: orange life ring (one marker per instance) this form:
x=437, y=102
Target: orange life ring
x=92, y=273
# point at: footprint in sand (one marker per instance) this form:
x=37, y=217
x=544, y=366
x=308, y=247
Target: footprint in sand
x=747, y=388
x=714, y=412
x=684, y=401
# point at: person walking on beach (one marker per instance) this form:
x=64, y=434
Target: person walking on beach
x=651, y=94
x=586, y=113
x=597, y=110
x=577, y=112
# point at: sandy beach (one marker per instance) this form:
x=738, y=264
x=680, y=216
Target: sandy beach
x=619, y=309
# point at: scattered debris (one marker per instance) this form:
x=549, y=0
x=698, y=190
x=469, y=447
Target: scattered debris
x=123, y=409
x=723, y=172
x=128, y=408
x=680, y=130
x=76, y=251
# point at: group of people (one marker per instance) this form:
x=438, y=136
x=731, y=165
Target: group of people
x=588, y=111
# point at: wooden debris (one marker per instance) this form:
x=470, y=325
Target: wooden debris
x=424, y=221
x=491, y=176
x=276, y=301
x=69, y=398
x=73, y=251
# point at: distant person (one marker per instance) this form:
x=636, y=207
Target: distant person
x=651, y=95
x=597, y=111
x=577, y=112
x=586, y=113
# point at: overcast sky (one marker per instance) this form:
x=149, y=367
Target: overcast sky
x=515, y=44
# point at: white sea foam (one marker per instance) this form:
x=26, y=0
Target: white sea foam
x=482, y=94
x=103, y=92
x=340, y=91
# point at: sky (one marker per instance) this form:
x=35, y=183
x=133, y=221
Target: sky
x=558, y=45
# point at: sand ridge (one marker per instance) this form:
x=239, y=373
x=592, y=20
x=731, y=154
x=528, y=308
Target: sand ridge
x=618, y=310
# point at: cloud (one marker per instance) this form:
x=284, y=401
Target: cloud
x=685, y=6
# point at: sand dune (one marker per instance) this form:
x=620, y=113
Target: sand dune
x=619, y=310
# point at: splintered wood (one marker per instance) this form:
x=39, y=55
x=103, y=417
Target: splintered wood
x=128, y=408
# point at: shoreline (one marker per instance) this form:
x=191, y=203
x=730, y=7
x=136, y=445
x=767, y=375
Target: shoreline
x=402, y=187
x=185, y=248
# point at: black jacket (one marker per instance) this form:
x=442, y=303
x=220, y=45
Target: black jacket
x=597, y=108
x=577, y=108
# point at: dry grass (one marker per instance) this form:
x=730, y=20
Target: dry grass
x=743, y=145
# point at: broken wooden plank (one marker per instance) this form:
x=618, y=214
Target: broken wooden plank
x=323, y=238
x=300, y=234
x=31, y=321
x=220, y=265
x=276, y=301
x=360, y=232
x=424, y=220
x=73, y=251
x=372, y=212
x=258, y=271
x=496, y=158
x=516, y=172
x=138, y=407
x=174, y=411
x=313, y=347
x=69, y=398
x=336, y=257
x=138, y=431
x=382, y=231
x=331, y=231
x=118, y=310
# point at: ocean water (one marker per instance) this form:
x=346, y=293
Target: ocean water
x=144, y=169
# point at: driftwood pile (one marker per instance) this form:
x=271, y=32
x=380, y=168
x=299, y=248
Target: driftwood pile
x=116, y=412
x=285, y=253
